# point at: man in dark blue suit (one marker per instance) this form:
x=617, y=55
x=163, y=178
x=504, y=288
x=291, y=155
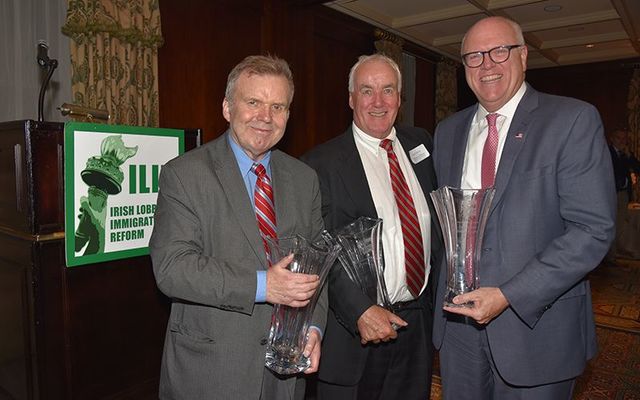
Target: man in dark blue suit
x=624, y=161
x=530, y=330
x=363, y=356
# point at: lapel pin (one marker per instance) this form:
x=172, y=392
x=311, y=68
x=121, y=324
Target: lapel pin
x=519, y=135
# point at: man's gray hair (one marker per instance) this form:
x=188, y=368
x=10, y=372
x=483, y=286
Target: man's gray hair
x=374, y=57
x=259, y=65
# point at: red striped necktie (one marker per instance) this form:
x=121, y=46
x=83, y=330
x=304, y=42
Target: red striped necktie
x=263, y=203
x=411, y=235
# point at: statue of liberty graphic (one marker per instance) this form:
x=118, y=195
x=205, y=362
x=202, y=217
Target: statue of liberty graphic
x=104, y=177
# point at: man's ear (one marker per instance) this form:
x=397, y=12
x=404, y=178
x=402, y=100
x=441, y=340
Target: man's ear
x=524, y=52
x=226, y=113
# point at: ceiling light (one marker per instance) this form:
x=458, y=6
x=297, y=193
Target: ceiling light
x=590, y=46
x=553, y=8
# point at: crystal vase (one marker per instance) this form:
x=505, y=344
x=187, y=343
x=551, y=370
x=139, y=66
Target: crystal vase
x=463, y=215
x=362, y=257
x=290, y=325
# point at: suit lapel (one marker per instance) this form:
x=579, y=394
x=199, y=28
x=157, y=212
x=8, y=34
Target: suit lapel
x=282, y=181
x=461, y=136
x=425, y=174
x=514, y=142
x=354, y=177
x=226, y=168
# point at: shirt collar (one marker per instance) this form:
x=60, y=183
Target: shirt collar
x=508, y=110
x=371, y=143
x=244, y=161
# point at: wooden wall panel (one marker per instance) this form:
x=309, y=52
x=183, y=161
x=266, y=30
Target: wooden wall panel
x=605, y=85
x=204, y=39
x=425, y=112
x=337, y=44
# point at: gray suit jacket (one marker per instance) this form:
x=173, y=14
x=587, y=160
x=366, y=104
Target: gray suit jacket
x=206, y=249
x=551, y=222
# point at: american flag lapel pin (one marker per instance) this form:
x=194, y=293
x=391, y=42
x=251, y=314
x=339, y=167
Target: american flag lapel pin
x=519, y=135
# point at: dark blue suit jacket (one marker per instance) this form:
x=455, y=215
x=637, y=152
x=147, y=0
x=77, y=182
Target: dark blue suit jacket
x=550, y=223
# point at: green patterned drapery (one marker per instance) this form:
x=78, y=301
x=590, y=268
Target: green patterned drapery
x=114, y=57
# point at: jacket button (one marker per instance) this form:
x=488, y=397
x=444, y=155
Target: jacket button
x=263, y=342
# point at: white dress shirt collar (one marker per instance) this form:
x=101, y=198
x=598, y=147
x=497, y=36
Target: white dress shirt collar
x=371, y=143
x=508, y=110
x=478, y=133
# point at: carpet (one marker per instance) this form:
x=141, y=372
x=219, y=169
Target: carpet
x=615, y=289
x=614, y=374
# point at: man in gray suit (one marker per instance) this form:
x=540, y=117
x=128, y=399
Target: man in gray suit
x=209, y=256
x=530, y=330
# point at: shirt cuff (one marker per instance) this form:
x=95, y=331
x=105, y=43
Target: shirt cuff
x=317, y=329
x=261, y=287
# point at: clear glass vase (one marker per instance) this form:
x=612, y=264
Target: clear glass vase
x=362, y=257
x=463, y=215
x=290, y=325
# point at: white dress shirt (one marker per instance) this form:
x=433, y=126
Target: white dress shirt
x=471, y=172
x=376, y=167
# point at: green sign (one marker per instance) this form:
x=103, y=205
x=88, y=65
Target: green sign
x=111, y=188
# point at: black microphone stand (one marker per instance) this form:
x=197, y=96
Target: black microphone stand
x=50, y=65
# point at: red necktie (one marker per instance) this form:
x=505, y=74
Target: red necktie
x=412, y=238
x=488, y=168
x=263, y=203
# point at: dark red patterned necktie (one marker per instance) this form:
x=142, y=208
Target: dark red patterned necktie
x=488, y=176
x=488, y=167
x=411, y=235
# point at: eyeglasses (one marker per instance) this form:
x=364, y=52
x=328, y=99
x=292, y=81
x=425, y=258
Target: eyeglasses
x=498, y=55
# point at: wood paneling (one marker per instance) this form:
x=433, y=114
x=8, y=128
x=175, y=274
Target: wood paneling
x=424, y=112
x=336, y=46
x=202, y=45
x=203, y=40
x=605, y=85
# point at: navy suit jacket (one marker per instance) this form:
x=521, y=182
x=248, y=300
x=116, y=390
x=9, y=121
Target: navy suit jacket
x=550, y=223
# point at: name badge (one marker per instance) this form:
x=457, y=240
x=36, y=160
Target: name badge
x=418, y=154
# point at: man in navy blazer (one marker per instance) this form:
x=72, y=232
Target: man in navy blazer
x=530, y=330
x=363, y=356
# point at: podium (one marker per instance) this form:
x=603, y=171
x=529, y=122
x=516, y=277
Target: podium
x=89, y=332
